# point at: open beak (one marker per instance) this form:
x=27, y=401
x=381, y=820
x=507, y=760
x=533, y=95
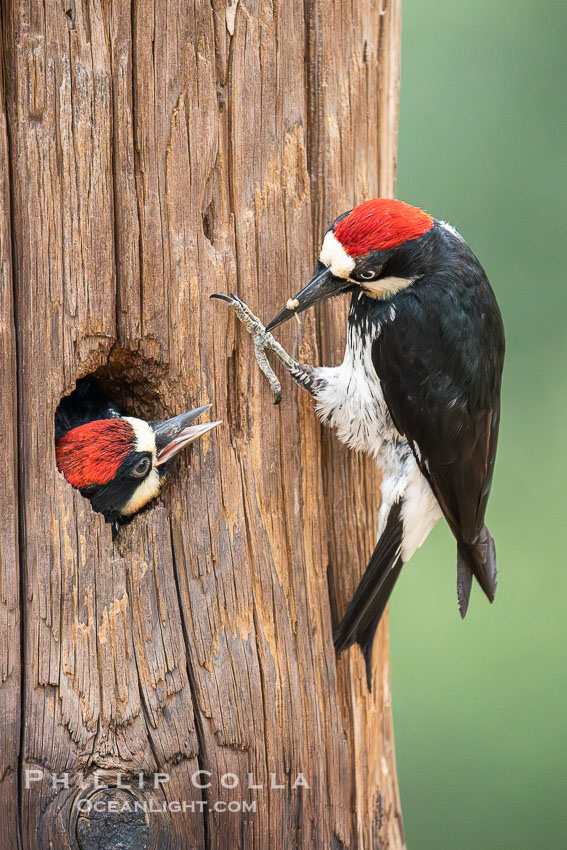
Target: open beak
x=172, y=435
x=322, y=285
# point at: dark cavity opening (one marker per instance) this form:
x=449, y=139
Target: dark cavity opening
x=208, y=226
x=127, y=384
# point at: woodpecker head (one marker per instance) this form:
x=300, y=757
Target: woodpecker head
x=377, y=247
x=120, y=464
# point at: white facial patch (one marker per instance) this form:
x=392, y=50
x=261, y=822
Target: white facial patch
x=144, y=493
x=340, y=264
x=145, y=437
x=335, y=257
x=386, y=286
x=149, y=488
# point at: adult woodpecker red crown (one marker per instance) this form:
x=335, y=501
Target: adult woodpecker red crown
x=418, y=389
x=380, y=224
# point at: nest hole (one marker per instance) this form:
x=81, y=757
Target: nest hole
x=130, y=383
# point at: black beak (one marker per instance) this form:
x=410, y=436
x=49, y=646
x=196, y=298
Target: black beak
x=174, y=434
x=322, y=285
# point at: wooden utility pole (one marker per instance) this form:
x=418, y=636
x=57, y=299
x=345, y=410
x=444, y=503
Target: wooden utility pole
x=152, y=153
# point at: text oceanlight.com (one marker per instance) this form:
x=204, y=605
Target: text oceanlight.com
x=122, y=807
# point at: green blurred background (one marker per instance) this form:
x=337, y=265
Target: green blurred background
x=480, y=705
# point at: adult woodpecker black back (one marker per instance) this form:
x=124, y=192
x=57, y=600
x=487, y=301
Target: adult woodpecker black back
x=418, y=389
x=118, y=462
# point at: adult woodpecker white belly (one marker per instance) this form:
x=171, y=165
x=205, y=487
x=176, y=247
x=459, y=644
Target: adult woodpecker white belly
x=349, y=398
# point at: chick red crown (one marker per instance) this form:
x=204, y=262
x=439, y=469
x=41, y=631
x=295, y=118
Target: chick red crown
x=380, y=224
x=92, y=453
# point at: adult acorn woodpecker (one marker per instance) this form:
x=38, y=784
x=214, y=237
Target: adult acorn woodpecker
x=118, y=462
x=418, y=389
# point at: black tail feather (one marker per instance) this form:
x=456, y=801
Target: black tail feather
x=478, y=559
x=366, y=639
x=365, y=609
x=464, y=585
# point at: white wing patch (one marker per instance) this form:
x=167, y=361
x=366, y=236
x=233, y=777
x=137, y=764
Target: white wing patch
x=420, y=512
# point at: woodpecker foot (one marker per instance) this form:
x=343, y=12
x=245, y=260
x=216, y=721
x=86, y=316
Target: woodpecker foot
x=263, y=339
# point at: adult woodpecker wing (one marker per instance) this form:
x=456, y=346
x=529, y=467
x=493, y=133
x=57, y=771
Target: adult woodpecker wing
x=439, y=364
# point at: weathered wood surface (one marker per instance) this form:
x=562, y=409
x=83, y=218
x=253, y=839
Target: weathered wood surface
x=152, y=153
x=10, y=655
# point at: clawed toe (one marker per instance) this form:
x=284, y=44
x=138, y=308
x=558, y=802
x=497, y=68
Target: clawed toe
x=262, y=339
x=251, y=322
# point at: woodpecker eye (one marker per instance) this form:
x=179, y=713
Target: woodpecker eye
x=141, y=468
x=368, y=275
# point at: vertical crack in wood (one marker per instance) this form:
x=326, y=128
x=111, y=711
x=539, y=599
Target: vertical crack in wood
x=197, y=719
x=256, y=618
x=114, y=178
x=312, y=73
x=134, y=65
x=258, y=632
x=18, y=510
x=230, y=150
x=143, y=699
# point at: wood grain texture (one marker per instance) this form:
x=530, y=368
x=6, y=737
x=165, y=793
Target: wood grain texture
x=10, y=654
x=159, y=152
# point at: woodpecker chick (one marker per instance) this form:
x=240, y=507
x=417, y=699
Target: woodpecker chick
x=418, y=389
x=119, y=462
